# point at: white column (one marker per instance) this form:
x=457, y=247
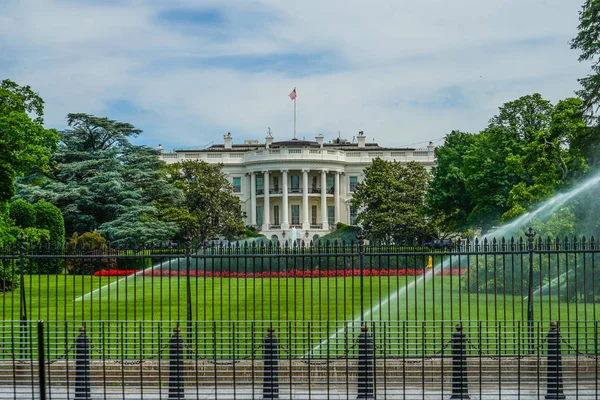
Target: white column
x=305, y=220
x=337, y=190
x=285, y=223
x=324, y=220
x=253, y=199
x=266, y=219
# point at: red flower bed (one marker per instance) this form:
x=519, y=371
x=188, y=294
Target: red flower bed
x=303, y=273
x=115, y=272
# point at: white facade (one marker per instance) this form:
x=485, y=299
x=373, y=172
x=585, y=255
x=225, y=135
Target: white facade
x=296, y=187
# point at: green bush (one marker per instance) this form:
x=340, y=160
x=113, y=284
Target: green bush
x=86, y=245
x=9, y=279
x=343, y=234
x=49, y=217
x=22, y=213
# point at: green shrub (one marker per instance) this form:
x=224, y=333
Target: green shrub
x=49, y=217
x=22, y=213
x=86, y=245
x=9, y=279
x=343, y=234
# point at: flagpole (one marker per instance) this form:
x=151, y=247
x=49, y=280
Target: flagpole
x=294, y=118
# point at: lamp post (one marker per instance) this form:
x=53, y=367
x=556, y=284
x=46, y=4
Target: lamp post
x=188, y=284
x=530, y=235
x=22, y=297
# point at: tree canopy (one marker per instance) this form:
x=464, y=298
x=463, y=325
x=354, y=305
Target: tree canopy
x=391, y=201
x=210, y=208
x=587, y=43
x=530, y=149
x=103, y=182
x=24, y=143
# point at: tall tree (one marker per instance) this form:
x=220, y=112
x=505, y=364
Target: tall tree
x=103, y=182
x=448, y=199
x=588, y=44
x=24, y=143
x=529, y=150
x=391, y=200
x=210, y=208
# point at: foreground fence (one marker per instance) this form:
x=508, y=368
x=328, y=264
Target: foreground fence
x=378, y=359
x=335, y=321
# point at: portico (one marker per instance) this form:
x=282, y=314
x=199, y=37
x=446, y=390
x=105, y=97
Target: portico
x=306, y=199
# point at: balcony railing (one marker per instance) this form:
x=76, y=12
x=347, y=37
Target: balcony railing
x=316, y=226
x=298, y=190
x=275, y=226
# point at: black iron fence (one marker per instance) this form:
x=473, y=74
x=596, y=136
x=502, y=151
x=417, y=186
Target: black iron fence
x=335, y=320
x=378, y=359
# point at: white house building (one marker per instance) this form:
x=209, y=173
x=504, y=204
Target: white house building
x=297, y=187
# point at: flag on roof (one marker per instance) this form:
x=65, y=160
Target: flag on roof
x=293, y=94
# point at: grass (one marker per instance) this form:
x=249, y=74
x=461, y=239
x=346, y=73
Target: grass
x=135, y=317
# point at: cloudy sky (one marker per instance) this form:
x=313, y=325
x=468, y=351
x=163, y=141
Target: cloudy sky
x=188, y=71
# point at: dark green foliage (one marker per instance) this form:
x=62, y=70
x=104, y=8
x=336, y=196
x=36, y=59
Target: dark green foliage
x=88, y=244
x=447, y=196
x=587, y=43
x=210, y=209
x=530, y=150
x=391, y=201
x=49, y=217
x=344, y=234
x=24, y=143
x=22, y=213
x=9, y=279
x=104, y=183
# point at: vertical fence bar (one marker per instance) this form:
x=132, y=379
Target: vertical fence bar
x=41, y=360
x=554, y=384
x=82, y=366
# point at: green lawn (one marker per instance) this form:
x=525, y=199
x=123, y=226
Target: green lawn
x=135, y=316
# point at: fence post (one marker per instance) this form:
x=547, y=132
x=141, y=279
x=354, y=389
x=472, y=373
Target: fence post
x=22, y=296
x=460, y=385
x=554, y=383
x=176, y=383
x=530, y=235
x=41, y=360
x=82, y=366
x=365, y=364
x=271, y=365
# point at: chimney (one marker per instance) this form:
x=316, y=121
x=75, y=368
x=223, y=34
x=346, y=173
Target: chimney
x=268, y=139
x=228, y=141
x=361, y=140
x=319, y=138
x=431, y=149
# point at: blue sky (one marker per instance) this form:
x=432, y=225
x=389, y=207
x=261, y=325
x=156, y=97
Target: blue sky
x=186, y=72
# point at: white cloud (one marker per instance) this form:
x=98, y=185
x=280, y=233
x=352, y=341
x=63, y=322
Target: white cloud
x=398, y=66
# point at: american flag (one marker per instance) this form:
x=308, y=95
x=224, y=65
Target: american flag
x=293, y=94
